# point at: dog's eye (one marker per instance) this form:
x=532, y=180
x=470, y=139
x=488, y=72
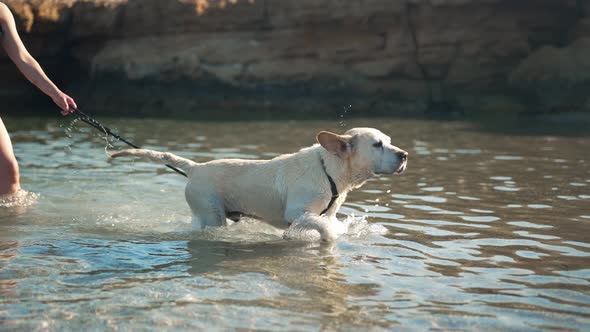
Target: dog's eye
x=378, y=144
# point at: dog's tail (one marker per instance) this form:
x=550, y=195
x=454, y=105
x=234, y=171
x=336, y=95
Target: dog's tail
x=166, y=158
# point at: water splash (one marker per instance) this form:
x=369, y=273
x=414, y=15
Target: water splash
x=345, y=110
x=350, y=227
x=247, y=230
x=68, y=129
x=360, y=227
x=20, y=198
x=107, y=144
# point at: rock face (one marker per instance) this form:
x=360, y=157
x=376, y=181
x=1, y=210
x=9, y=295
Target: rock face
x=380, y=56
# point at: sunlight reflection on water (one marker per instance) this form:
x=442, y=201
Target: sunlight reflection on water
x=484, y=231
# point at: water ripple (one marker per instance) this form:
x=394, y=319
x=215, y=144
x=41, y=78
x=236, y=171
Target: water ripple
x=483, y=232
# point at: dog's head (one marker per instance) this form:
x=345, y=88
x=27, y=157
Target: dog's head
x=367, y=150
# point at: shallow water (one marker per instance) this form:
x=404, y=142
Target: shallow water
x=486, y=230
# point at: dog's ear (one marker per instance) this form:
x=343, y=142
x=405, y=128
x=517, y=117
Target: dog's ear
x=334, y=143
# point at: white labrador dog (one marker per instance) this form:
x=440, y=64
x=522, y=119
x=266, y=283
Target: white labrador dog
x=305, y=188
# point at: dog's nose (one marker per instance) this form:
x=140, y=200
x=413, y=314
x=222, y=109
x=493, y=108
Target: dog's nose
x=403, y=155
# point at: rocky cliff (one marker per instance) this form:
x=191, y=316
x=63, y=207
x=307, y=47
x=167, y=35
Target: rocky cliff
x=380, y=56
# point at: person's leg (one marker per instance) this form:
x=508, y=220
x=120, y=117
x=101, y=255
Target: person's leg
x=9, y=176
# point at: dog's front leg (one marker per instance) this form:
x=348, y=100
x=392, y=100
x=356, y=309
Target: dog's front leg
x=301, y=221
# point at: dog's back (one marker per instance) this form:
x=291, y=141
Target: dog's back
x=255, y=187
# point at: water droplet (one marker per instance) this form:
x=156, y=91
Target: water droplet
x=345, y=110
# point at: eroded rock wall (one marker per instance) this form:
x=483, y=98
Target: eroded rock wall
x=381, y=56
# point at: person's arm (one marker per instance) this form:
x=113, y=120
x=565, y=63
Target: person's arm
x=11, y=42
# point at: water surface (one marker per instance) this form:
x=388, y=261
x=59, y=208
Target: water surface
x=486, y=230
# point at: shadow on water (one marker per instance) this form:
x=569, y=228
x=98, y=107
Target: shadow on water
x=312, y=269
x=302, y=278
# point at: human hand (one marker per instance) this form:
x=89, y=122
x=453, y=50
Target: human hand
x=65, y=102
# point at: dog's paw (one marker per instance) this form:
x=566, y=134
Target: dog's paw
x=301, y=233
x=310, y=227
x=329, y=236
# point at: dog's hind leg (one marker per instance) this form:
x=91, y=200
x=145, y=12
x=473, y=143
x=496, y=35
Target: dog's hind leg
x=207, y=207
x=206, y=219
x=207, y=216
